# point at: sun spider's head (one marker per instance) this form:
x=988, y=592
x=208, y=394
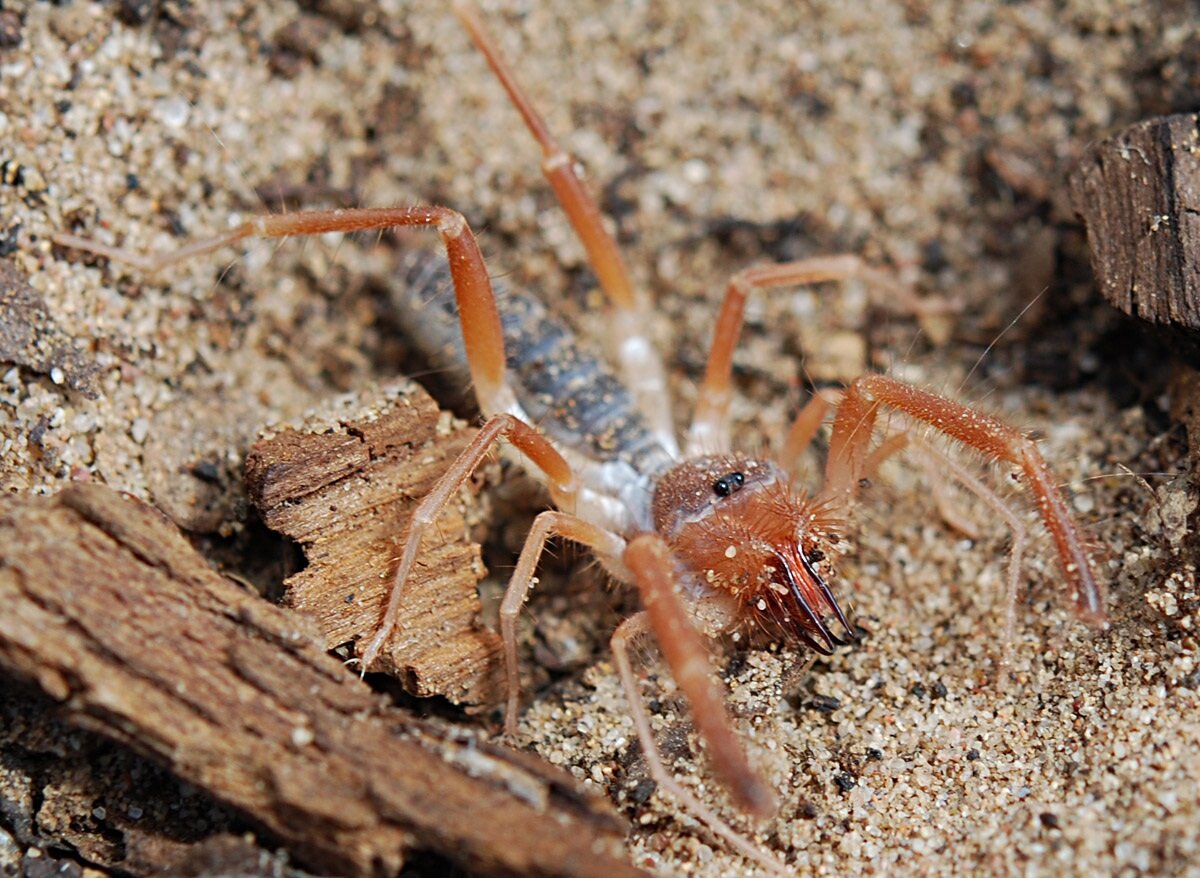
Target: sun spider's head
x=740, y=530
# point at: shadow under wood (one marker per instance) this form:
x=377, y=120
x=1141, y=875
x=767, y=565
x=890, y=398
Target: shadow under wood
x=110, y=613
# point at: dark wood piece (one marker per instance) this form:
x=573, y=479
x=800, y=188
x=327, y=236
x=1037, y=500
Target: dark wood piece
x=111, y=613
x=344, y=485
x=1138, y=192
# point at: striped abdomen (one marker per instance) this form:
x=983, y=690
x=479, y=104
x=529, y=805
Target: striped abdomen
x=570, y=394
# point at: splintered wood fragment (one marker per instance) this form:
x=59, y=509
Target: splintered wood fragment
x=344, y=486
x=109, y=611
x=1138, y=192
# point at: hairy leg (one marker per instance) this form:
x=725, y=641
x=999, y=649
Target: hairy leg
x=605, y=544
x=709, y=432
x=641, y=368
x=478, y=316
x=849, y=453
x=630, y=631
x=805, y=426
x=686, y=651
x=529, y=442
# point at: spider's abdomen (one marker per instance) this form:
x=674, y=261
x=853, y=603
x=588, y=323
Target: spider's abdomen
x=569, y=393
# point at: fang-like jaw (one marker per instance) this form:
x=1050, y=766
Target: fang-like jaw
x=805, y=606
x=742, y=531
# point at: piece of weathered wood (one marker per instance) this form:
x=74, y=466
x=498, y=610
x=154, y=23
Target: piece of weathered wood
x=110, y=612
x=1138, y=192
x=344, y=485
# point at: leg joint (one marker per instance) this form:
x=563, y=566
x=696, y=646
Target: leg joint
x=451, y=224
x=555, y=160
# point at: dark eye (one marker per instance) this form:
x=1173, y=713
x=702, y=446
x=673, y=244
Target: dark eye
x=726, y=485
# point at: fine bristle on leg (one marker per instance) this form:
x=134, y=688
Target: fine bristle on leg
x=849, y=454
x=627, y=633
x=640, y=365
x=604, y=543
x=529, y=442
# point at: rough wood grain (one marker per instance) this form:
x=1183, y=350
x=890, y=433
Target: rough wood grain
x=111, y=613
x=1138, y=192
x=344, y=486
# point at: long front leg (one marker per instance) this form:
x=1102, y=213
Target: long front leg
x=683, y=646
x=478, y=315
x=631, y=630
x=849, y=455
x=641, y=368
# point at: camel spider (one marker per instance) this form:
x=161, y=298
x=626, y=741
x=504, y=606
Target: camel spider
x=714, y=540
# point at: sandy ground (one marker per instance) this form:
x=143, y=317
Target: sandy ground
x=931, y=138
